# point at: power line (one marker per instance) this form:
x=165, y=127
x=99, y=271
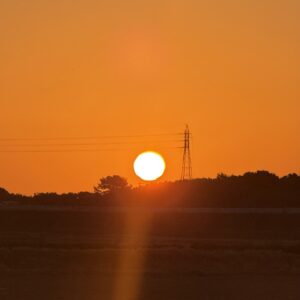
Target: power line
x=73, y=150
x=58, y=150
x=88, y=144
x=87, y=137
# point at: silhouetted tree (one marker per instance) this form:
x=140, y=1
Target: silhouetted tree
x=4, y=194
x=110, y=184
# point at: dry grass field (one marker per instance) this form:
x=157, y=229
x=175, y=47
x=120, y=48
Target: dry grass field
x=105, y=255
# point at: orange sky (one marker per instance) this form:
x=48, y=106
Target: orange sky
x=230, y=69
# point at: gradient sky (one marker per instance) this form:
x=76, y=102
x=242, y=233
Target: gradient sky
x=230, y=69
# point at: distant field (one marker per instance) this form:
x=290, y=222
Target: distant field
x=167, y=255
x=199, y=223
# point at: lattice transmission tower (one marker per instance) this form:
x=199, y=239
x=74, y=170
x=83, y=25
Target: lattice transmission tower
x=186, y=171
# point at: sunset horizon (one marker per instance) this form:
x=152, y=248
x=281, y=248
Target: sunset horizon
x=89, y=149
x=149, y=150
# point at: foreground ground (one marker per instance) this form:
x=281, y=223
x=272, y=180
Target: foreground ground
x=142, y=255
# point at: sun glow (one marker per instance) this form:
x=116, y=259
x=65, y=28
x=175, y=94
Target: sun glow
x=149, y=166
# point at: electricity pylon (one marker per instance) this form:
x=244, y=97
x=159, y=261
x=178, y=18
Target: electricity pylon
x=186, y=171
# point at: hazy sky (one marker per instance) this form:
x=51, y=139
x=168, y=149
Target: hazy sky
x=230, y=69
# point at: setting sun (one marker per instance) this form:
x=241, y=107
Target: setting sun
x=149, y=166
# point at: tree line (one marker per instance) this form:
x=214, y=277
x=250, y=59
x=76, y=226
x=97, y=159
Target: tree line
x=252, y=189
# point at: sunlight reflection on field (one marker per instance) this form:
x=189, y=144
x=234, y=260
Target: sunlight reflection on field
x=132, y=259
